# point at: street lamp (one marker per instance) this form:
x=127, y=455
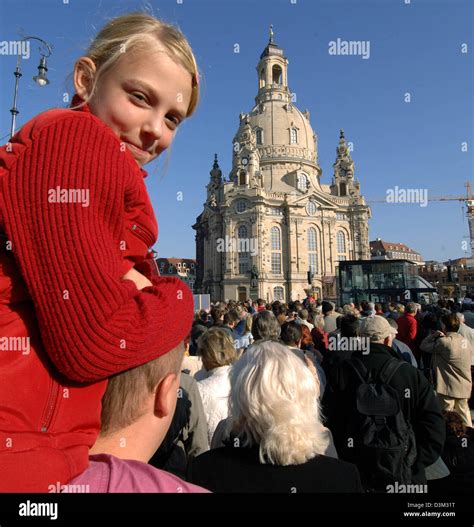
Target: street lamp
x=40, y=79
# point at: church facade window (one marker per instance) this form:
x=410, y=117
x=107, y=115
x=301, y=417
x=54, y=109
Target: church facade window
x=275, y=240
x=242, y=248
x=278, y=293
x=313, y=249
x=293, y=136
x=241, y=206
x=311, y=208
x=302, y=182
x=341, y=245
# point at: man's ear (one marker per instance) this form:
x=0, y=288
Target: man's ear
x=166, y=394
x=84, y=71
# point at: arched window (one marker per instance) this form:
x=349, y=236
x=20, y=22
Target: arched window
x=259, y=136
x=293, y=136
x=242, y=177
x=278, y=293
x=342, y=189
x=341, y=245
x=243, y=243
x=275, y=239
x=312, y=250
x=276, y=74
x=262, y=78
x=302, y=182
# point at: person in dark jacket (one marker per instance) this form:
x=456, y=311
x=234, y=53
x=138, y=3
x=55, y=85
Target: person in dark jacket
x=458, y=454
x=276, y=441
x=419, y=404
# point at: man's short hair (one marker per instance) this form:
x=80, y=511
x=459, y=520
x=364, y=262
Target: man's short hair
x=350, y=325
x=303, y=314
x=124, y=400
x=231, y=317
x=266, y=326
x=411, y=308
x=326, y=307
x=291, y=333
x=216, y=313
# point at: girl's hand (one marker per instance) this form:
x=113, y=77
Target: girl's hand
x=140, y=280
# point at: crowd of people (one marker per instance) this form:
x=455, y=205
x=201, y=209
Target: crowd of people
x=298, y=390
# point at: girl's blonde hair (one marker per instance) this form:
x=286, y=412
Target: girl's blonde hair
x=136, y=31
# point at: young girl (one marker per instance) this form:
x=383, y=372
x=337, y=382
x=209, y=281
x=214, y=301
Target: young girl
x=78, y=300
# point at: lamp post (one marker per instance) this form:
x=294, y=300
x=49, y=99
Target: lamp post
x=40, y=79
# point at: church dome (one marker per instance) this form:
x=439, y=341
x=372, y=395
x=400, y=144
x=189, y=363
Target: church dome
x=275, y=126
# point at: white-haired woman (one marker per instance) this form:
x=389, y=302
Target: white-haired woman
x=276, y=441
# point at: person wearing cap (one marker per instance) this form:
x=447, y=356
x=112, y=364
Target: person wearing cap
x=419, y=404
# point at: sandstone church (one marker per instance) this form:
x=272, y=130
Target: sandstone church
x=271, y=229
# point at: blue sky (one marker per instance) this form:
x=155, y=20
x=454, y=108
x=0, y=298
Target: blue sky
x=414, y=48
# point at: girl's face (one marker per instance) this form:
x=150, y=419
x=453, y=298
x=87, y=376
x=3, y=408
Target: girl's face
x=143, y=98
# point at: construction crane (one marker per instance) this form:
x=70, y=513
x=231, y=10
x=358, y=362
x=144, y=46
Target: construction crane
x=468, y=199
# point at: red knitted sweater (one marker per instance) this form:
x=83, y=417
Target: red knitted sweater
x=92, y=323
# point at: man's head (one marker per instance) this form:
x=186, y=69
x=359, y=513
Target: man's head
x=266, y=326
x=411, y=308
x=217, y=314
x=291, y=334
x=378, y=330
x=303, y=314
x=141, y=398
x=327, y=307
x=349, y=325
x=231, y=318
x=450, y=323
